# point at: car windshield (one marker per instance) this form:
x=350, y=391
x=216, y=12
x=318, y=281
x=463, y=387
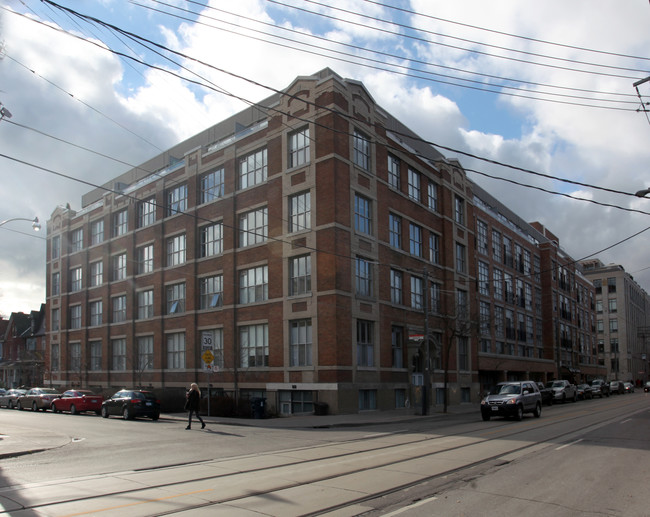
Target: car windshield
x=557, y=384
x=507, y=389
x=49, y=391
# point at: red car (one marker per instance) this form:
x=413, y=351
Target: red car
x=78, y=401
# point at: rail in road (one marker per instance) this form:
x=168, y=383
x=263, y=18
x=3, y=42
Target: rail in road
x=342, y=478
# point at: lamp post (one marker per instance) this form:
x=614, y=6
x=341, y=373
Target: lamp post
x=35, y=224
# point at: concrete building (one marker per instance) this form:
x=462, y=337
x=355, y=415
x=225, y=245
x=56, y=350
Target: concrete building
x=301, y=241
x=623, y=321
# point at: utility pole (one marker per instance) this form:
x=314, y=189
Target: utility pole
x=427, y=376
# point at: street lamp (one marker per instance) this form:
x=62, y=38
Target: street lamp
x=4, y=112
x=35, y=224
x=642, y=193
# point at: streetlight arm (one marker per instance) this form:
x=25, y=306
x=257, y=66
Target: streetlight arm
x=35, y=224
x=642, y=193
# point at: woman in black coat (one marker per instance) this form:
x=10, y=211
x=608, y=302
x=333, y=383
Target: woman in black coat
x=192, y=405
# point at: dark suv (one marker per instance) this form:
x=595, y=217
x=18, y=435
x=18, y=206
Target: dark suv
x=130, y=404
x=599, y=388
x=512, y=399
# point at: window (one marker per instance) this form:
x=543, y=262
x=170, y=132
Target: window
x=613, y=325
x=211, y=292
x=176, y=250
x=434, y=248
x=367, y=400
x=118, y=309
x=497, y=283
x=483, y=278
x=95, y=356
x=484, y=319
x=76, y=240
x=414, y=185
x=436, y=298
x=611, y=285
x=56, y=320
x=496, y=246
x=362, y=215
x=300, y=212
x=212, y=240
x=395, y=230
x=145, y=304
x=462, y=304
x=119, y=267
x=56, y=247
x=118, y=351
x=460, y=258
x=75, y=317
x=145, y=259
x=254, y=285
x=253, y=227
x=300, y=340
x=365, y=345
x=253, y=169
x=417, y=292
x=415, y=240
x=56, y=284
x=600, y=326
x=146, y=212
x=397, y=346
x=482, y=237
x=598, y=284
x=463, y=353
x=498, y=322
x=299, y=147
x=120, y=223
x=176, y=200
x=396, y=286
x=145, y=353
x=459, y=211
x=254, y=345
x=212, y=186
x=611, y=303
x=363, y=274
x=96, y=273
x=299, y=275
x=393, y=171
x=433, y=196
x=175, y=296
x=75, y=279
x=54, y=357
x=74, y=358
x=95, y=313
x=97, y=231
x=176, y=351
x=361, y=147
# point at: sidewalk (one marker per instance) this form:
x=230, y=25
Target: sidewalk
x=15, y=441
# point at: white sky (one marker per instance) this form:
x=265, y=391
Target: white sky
x=63, y=86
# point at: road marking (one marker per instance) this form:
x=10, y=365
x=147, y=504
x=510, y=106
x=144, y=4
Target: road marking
x=626, y=421
x=568, y=444
x=411, y=506
x=145, y=501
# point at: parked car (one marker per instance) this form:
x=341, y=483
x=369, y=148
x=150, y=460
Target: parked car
x=78, y=401
x=546, y=393
x=599, y=388
x=512, y=399
x=628, y=387
x=646, y=387
x=616, y=387
x=584, y=391
x=37, y=398
x=9, y=399
x=2, y=391
x=563, y=390
x=130, y=404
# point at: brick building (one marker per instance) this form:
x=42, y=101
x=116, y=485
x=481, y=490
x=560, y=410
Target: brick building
x=302, y=241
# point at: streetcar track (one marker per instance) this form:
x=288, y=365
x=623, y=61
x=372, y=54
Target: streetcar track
x=479, y=439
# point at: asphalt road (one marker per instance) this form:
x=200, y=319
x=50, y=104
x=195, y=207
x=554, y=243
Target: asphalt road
x=588, y=458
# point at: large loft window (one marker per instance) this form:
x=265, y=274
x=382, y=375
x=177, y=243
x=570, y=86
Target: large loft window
x=211, y=292
x=120, y=223
x=254, y=285
x=212, y=185
x=175, y=200
x=176, y=250
x=299, y=147
x=300, y=212
x=253, y=227
x=211, y=239
x=253, y=169
x=361, y=156
x=175, y=298
x=146, y=212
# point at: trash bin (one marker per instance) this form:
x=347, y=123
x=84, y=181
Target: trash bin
x=320, y=408
x=257, y=407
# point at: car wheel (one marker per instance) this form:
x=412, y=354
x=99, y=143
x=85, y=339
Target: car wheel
x=155, y=416
x=73, y=410
x=34, y=406
x=575, y=397
x=54, y=409
x=19, y=406
x=104, y=412
x=520, y=413
x=538, y=410
x=485, y=416
x=10, y=405
x=126, y=413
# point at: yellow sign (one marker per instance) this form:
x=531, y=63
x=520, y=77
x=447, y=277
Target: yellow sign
x=208, y=357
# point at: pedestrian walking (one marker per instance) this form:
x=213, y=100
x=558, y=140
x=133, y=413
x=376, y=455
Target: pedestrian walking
x=192, y=405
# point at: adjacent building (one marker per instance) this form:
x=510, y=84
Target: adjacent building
x=623, y=321
x=22, y=349
x=319, y=251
